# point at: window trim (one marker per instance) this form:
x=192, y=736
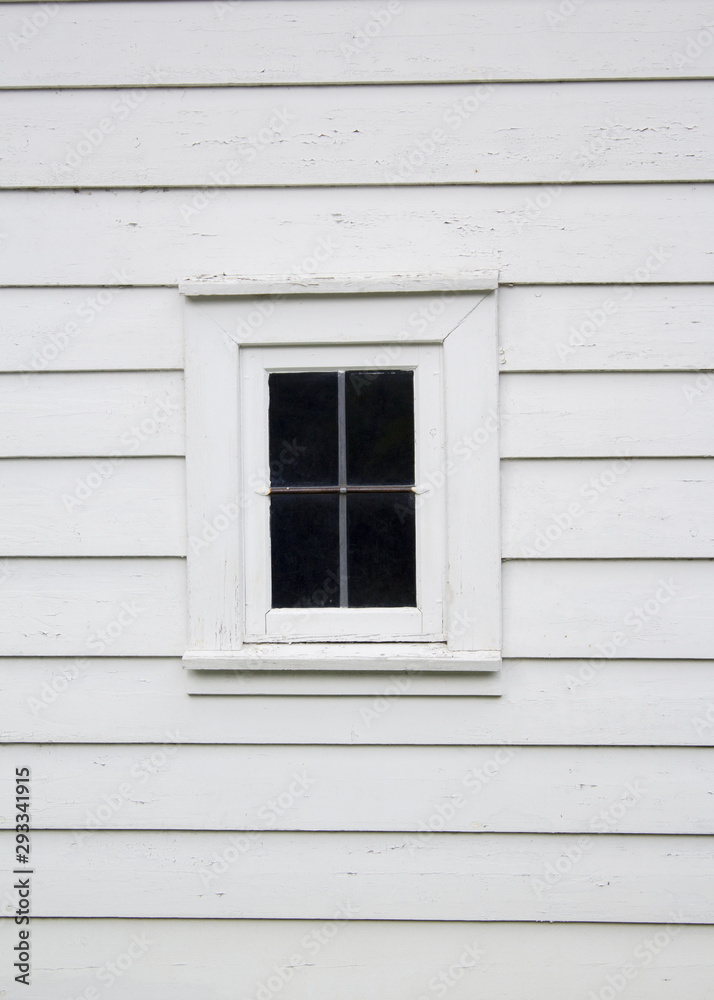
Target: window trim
x=216, y=502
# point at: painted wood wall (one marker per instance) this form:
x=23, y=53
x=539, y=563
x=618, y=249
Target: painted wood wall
x=550, y=843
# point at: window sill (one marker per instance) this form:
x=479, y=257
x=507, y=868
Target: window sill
x=427, y=669
x=390, y=657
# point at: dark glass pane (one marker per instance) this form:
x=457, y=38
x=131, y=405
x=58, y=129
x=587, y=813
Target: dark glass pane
x=303, y=429
x=380, y=428
x=305, y=550
x=381, y=557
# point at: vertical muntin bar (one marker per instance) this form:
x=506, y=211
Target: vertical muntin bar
x=342, y=473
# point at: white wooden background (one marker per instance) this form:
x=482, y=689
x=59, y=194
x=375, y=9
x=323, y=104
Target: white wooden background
x=149, y=142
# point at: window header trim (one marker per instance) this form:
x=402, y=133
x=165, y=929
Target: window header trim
x=388, y=284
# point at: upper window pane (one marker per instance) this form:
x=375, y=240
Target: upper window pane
x=303, y=429
x=380, y=427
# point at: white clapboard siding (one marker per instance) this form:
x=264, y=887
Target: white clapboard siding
x=583, y=415
x=559, y=608
x=93, y=607
x=423, y=789
x=609, y=608
x=608, y=508
x=92, y=507
x=539, y=234
x=565, y=702
x=357, y=959
x=383, y=876
x=343, y=41
x=80, y=329
x=100, y=413
x=586, y=328
x=453, y=134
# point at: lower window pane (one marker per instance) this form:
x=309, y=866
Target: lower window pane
x=381, y=556
x=305, y=550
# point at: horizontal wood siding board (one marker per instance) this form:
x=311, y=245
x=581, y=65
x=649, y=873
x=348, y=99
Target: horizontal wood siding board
x=100, y=607
x=553, y=234
x=608, y=608
x=112, y=414
x=92, y=507
x=420, y=789
x=223, y=959
x=552, y=608
x=351, y=41
x=608, y=508
x=85, y=329
x=383, y=876
x=626, y=415
x=621, y=327
x=447, y=134
x=542, y=328
x=594, y=701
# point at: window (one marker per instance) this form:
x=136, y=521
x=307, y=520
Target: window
x=342, y=464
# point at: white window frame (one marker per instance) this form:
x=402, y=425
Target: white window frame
x=456, y=630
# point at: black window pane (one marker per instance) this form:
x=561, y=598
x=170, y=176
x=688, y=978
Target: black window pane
x=381, y=556
x=380, y=428
x=305, y=550
x=303, y=429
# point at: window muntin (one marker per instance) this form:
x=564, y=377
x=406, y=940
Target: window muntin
x=342, y=512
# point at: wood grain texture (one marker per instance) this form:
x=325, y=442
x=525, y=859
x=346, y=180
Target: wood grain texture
x=92, y=507
x=383, y=876
x=553, y=234
x=632, y=414
x=420, y=789
x=355, y=959
x=100, y=607
x=113, y=414
x=85, y=329
x=595, y=701
x=608, y=508
x=346, y=41
x=445, y=134
x=589, y=328
x=608, y=608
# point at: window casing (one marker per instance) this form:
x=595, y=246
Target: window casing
x=238, y=333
